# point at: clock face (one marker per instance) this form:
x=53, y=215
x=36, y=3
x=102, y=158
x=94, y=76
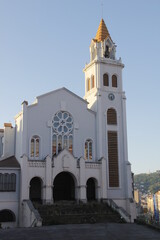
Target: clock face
x=111, y=96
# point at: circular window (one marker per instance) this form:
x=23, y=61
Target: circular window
x=62, y=123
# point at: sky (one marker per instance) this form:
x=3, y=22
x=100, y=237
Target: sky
x=44, y=45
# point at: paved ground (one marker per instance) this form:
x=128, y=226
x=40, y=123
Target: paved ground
x=108, y=231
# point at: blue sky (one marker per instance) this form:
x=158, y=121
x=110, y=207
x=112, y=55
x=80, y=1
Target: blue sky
x=44, y=45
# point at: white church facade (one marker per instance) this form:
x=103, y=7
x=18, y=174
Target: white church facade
x=63, y=147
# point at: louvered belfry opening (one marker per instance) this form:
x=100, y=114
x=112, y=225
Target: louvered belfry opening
x=114, y=81
x=111, y=116
x=105, y=80
x=113, y=159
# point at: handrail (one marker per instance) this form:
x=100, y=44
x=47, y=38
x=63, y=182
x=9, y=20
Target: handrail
x=120, y=210
x=37, y=218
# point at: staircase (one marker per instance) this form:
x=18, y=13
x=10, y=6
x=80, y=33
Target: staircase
x=72, y=213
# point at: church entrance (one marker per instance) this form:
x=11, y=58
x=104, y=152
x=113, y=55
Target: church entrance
x=35, y=189
x=64, y=187
x=91, y=190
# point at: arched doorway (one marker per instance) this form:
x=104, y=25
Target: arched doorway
x=7, y=216
x=91, y=189
x=64, y=187
x=35, y=189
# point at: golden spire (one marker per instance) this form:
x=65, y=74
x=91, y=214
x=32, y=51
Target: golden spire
x=102, y=32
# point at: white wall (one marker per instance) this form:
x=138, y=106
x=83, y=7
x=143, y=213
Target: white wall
x=8, y=142
x=40, y=114
x=10, y=200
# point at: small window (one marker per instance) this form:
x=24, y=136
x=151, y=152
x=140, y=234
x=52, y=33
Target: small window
x=105, y=80
x=88, y=149
x=111, y=116
x=54, y=144
x=114, y=81
x=92, y=79
x=88, y=84
x=71, y=144
x=35, y=147
x=106, y=54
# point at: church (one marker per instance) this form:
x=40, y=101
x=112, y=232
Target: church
x=64, y=147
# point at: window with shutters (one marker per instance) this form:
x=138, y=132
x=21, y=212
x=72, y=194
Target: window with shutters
x=105, y=80
x=111, y=116
x=113, y=159
x=114, y=81
x=7, y=182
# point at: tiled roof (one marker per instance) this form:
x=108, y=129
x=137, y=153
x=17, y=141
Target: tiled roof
x=102, y=32
x=10, y=162
x=7, y=124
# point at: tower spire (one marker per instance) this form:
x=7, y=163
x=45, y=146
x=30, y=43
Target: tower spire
x=102, y=32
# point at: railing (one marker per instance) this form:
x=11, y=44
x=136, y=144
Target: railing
x=36, y=163
x=124, y=214
x=32, y=217
x=94, y=165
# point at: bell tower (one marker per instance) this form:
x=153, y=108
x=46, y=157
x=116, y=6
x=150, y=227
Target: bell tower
x=103, y=62
x=105, y=96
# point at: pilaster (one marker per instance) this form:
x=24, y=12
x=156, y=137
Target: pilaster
x=24, y=127
x=48, y=188
x=82, y=182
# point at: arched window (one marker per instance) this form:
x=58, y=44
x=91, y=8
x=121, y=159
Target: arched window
x=92, y=81
x=88, y=149
x=62, y=132
x=105, y=80
x=114, y=81
x=106, y=54
x=88, y=84
x=35, y=147
x=111, y=116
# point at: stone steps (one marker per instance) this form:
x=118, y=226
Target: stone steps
x=73, y=213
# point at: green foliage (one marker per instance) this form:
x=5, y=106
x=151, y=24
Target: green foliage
x=148, y=182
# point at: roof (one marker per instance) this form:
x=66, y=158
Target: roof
x=65, y=89
x=10, y=162
x=102, y=32
x=8, y=125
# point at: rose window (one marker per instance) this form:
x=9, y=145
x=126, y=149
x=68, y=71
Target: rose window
x=62, y=123
x=62, y=132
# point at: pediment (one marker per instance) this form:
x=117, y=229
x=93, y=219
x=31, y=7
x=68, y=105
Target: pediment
x=65, y=90
x=65, y=160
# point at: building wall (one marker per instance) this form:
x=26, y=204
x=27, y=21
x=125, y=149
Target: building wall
x=99, y=102
x=1, y=142
x=39, y=121
x=7, y=141
x=18, y=136
x=10, y=200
